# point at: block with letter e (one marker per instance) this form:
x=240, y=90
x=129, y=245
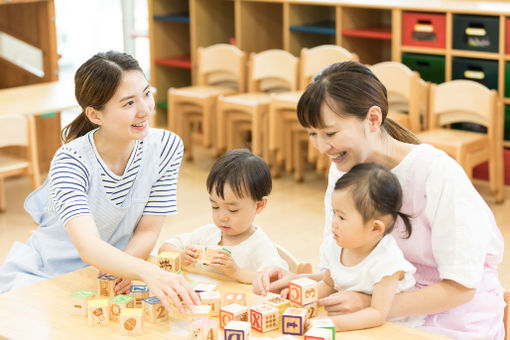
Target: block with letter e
x=293, y=321
x=303, y=291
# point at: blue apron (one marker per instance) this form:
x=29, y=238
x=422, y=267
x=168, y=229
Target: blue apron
x=49, y=252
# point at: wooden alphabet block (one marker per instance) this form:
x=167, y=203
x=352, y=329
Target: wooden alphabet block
x=285, y=337
x=79, y=300
x=293, y=321
x=239, y=298
x=212, y=299
x=312, y=309
x=238, y=330
x=232, y=312
x=170, y=261
x=118, y=303
x=153, y=310
x=318, y=334
x=98, y=312
x=204, y=287
x=131, y=321
x=139, y=292
x=264, y=318
x=106, y=285
x=303, y=291
x=199, y=311
x=325, y=323
x=275, y=300
x=205, y=253
x=203, y=329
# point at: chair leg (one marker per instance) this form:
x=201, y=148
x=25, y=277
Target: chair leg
x=2, y=194
x=208, y=122
x=220, y=126
x=297, y=157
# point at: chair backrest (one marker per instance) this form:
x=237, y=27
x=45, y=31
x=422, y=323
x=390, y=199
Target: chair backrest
x=403, y=88
x=222, y=64
x=272, y=70
x=294, y=265
x=15, y=130
x=313, y=60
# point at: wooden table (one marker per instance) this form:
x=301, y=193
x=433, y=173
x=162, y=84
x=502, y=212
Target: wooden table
x=41, y=311
x=44, y=101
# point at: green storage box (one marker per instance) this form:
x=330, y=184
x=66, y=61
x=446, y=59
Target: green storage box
x=507, y=122
x=430, y=67
x=476, y=33
x=507, y=80
x=482, y=71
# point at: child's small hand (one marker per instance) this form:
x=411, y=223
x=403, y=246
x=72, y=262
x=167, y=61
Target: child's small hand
x=284, y=294
x=190, y=255
x=122, y=286
x=224, y=261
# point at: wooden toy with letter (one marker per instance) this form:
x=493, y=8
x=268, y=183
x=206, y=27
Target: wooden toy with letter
x=79, y=301
x=325, y=323
x=106, y=285
x=118, y=303
x=232, y=312
x=203, y=329
x=153, y=310
x=131, y=321
x=303, y=291
x=264, y=318
x=212, y=299
x=205, y=254
x=275, y=300
x=318, y=334
x=139, y=292
x=238, y=330
x=312, y=308
x=293, y=321
x=239, y=298
x=98, y=312
x=170, y=261
x=199, y=311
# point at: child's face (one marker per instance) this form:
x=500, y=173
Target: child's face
x=232, y=215
x=349, y=229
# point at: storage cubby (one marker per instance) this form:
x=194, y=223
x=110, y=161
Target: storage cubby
x=482, y=71
x=507, y=122
x=261, y=26
x=310, y=26
x=430, y=67
x=424, y=29
x=507, y=80
x=507, y=36
x=367, y=32
x=476, y=33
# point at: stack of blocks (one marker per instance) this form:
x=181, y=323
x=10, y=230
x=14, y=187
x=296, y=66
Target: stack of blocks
x=131, y=321
x=264, y=318
x=170, y=261
x=98, y=312
x=303, y=292
x=230, y=298
x=213, y=299
x=238, y=330
x=203, y=329
x=79, y=300
x=118, y=303
x=139, y=292
x=153, y=310
x=232, y=312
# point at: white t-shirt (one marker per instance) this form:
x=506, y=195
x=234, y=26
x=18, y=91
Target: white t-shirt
x=255, y=253
x=458, y=215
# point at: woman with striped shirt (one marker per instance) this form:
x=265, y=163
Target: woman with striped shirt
x=109, y=188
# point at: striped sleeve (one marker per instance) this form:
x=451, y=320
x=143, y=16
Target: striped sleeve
x=69, y=181
x=163, y=197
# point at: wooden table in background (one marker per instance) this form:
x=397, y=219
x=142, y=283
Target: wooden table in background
x=41, y=311
x=44, y=101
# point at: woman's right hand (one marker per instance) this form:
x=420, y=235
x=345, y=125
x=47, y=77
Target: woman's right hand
x=272, y=279
x=166, y=285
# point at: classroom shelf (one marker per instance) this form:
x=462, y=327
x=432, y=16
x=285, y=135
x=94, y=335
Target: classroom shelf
x=383, y=33
x=182, y=61
x=475, y=54
x=181, y=17
x=325, y=27
x=423, y=50
x=506, y=100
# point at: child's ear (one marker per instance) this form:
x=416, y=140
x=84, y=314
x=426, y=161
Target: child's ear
x=93, y=115
x=378, y=227
x=261, y=204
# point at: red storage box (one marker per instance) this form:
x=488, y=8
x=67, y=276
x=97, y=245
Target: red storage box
x=424, y=29
x=507, y=35
x=482, y=171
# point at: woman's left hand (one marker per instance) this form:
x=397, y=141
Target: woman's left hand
x=224, y=261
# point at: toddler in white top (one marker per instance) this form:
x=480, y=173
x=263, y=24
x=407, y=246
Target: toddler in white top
x=238, y=185
x=362, y=256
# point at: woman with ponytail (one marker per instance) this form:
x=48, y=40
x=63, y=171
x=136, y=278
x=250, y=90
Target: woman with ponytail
x=108, y=190
x=455, y=243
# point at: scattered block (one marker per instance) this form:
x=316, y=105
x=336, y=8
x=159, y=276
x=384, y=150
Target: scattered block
x=232, y=312
x=303, y=291
x=98, y=312
x=264, y=318
x=203, y=329
x=325, y=323
x=79, y=300
x=275, y=300
x=238, y=330
x=204, y=287
x=153, y=310
x=205, y=254
x=106, y=285
x=318, y=334
x=212, y=299
x=199, y=311
x=139, y=292
x=118, y=303
x=131, y=321
x=312, y=309
x=239, y=298
x=170, y=261
x=293, y=321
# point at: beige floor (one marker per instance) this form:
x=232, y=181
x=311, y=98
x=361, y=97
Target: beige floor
x=293, y=217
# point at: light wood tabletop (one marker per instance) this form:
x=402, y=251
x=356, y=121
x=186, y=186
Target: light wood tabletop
x=42, y=311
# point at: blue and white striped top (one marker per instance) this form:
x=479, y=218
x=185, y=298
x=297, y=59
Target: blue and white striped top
x=69, y=179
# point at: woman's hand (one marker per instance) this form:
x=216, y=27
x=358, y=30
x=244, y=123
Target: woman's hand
x=189, y=255
x=223, y=260
x=165, y=286
x=345, y=302
x=272, y=279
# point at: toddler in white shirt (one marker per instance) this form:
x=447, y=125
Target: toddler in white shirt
x=238, y=185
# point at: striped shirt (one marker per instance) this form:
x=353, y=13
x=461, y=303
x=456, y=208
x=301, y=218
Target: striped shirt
x=69, y=179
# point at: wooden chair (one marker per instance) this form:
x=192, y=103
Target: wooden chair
x=18, y=130
x=403, y=87
x=294, y=265
x=269, y=71
x=468, y=101
x=221, y=71
x=283, y=124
